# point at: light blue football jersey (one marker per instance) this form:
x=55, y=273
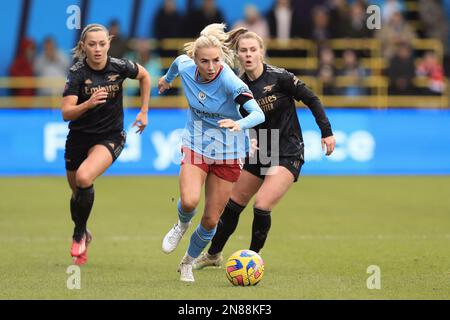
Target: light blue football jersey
x=210, y=102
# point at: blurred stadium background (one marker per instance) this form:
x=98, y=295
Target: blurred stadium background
x=387, y=96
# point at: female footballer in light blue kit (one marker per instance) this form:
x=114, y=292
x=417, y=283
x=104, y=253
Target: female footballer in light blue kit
x=215, y=136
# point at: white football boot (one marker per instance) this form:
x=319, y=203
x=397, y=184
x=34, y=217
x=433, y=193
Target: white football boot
x=185, y=270
x=172, y=238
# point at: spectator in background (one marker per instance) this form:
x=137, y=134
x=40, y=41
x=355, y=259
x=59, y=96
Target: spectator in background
x=302, y=16
x=358, y=27
x=281, y=20
x=22, y=66
x=389, y=7
x=435, y=21
x=354, y=74
x=397, y=31
x=254, y=22
x=167, y=22
x=51, y=63
x=401, y=71
x=320, y=32
x=197, y=19
x=146, y=57
x=430, y=68
x=326, y=72
x=119, y=45
x=339, y=13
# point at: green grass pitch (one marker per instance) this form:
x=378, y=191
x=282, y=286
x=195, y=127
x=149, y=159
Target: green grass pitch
x=325, y=233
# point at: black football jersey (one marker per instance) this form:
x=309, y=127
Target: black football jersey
x=84, y=81
x=275, y=91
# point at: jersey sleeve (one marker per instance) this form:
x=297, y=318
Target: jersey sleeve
x=235, y=86
x=130, y=69
x=255, y=115
x=72, y=87
x=241, y=94
x=296, y=88
x=176, y=67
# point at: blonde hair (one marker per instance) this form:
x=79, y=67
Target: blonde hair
x=78, y=52
x=250, y=35
x=214, y=36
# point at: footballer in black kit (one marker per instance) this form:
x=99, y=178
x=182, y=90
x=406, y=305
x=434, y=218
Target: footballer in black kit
x=275, y=166
x=275, y=91
x=102, y=124
x=92, y=102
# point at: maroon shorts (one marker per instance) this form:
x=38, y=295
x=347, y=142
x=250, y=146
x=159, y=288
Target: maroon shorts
x=228, y=170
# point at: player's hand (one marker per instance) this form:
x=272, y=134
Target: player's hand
x=253, y=146
x=329, y=143
x=230, y=124
x=141, y=122
x=98, y=97
x=163, y=85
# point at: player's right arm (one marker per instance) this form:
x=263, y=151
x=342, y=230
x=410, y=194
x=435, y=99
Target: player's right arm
x=165, y=82
x=72, y=111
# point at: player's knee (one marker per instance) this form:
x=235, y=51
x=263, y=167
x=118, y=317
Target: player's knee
x=209, y=223
x=241, y=199
x=189, y=203
x=263, y=204
x=84, y=179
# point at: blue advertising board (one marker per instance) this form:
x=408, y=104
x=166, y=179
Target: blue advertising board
x=369, y=142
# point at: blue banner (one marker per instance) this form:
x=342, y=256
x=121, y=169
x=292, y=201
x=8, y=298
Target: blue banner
x=368, y=142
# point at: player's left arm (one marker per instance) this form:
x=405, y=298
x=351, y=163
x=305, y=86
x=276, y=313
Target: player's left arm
x=244, y=97
x=255, y=115
x=145, y=84
x=300, y=92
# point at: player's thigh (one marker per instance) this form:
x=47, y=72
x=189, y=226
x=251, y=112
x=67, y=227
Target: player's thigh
x=275, y=185
x=98, y=160
x=245, y=188
x=191, y=181
x=217, y=193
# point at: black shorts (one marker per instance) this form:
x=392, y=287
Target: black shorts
x=293, y=164
x=79, y=143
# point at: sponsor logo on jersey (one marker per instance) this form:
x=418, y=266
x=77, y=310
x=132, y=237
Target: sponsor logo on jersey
x=110, y=89
x=87, y=81
x=202, y=96
x=112, y=77
x=266, y=103
x=268, y=88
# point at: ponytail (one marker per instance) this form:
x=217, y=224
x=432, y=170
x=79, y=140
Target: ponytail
x=214, y=35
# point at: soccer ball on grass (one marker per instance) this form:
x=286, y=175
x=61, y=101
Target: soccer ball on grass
x=244, y=268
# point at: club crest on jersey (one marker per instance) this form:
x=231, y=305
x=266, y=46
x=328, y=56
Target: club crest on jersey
x=202, y=96
x=113, y=77
x=268, y=88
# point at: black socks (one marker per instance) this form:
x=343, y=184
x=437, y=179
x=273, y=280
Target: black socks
x=228, y=222
x=260, y=228
x=226, y=226
x=80, y=208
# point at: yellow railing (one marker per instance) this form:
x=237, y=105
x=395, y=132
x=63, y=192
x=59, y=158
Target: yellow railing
x=377, y=84
x=374, y=62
